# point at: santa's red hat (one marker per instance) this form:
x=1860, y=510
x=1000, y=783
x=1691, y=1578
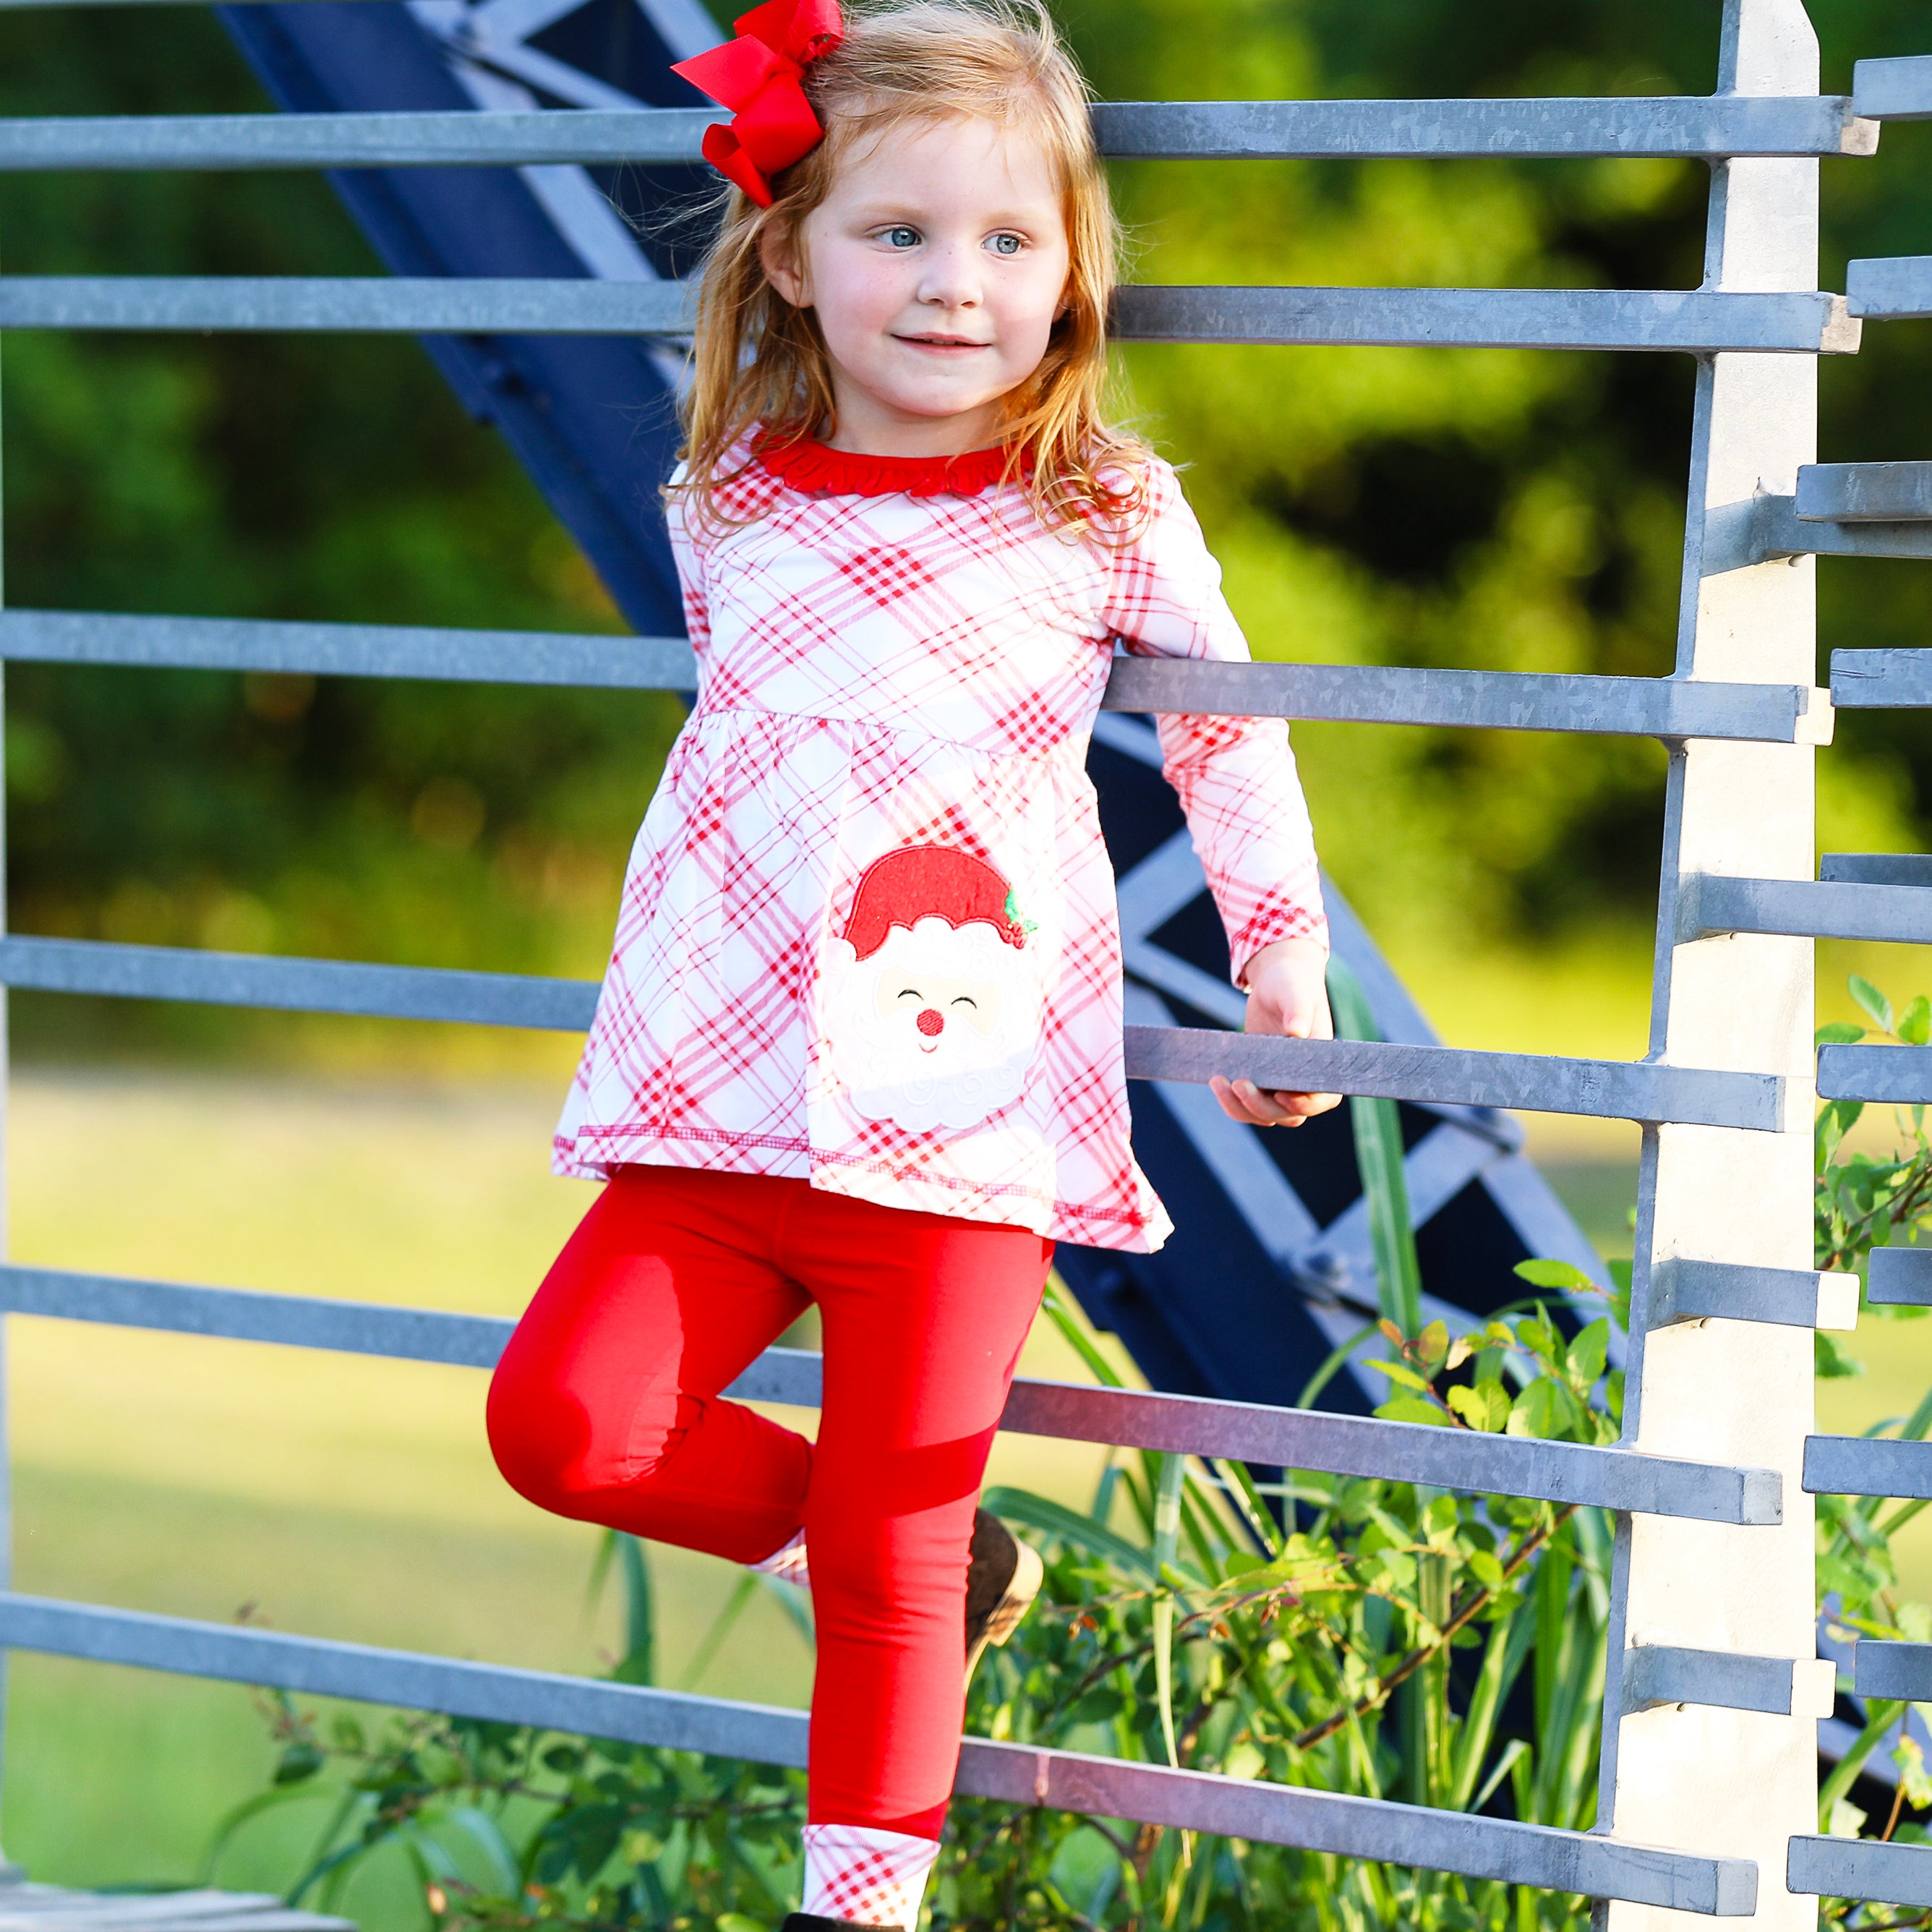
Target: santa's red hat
x=919, y=882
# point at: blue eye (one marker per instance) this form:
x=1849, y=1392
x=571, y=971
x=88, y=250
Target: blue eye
x=1005, y=244
x=901, y=237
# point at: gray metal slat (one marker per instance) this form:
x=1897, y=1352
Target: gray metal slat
x=202, y=1906
x=1877, y=868
x=1537, y=1083
x=1410, y=1452
x=1361, y=693
x=1900, y=1278
x=1768, y=527
x=1899, y=1671
x=1685, y=1290
x=1618, y=1090
x=246, y=1315
x=1607, y=1478
x=1679, y=126
x=1894, y=288
x=1804, y=909
x=1499, y=1849
x=347, y=650
x=1899, y=88
x=1894, y=680
x=1502, y=700
x=587, y=136
x=10, y=6
x=1861, y=1465
x=1863, y=493
x=1865, y=1868
x=1695, y=321
x=39, y=1904
x=1893, y=1075
x=414, y=305
x=1781, y=1686
x=300, y=985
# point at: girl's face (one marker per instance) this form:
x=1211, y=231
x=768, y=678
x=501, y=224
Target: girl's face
x=936, y=266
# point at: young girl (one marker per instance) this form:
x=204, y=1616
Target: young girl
x=860, y=1043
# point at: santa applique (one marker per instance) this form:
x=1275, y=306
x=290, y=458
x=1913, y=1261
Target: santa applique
x=932, y=995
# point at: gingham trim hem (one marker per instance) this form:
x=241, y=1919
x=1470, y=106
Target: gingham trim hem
x=866, y=1876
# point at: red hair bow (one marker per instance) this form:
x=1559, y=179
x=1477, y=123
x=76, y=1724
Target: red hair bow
x=758, y=75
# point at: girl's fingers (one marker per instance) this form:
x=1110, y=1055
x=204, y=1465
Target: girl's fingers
x=1243, y=1100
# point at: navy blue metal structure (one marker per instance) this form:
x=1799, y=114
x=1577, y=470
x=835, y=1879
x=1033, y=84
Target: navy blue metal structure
x=1272, y=1267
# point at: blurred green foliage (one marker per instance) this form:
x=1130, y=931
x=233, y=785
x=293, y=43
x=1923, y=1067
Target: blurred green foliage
x=1507, y=510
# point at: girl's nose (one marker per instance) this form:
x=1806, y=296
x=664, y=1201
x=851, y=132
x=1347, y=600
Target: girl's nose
x=931, y=1021
x=949, y=281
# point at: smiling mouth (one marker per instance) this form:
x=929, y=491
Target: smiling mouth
x=942, y=342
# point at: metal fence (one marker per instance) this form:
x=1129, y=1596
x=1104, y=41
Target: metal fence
x=1712, y=1671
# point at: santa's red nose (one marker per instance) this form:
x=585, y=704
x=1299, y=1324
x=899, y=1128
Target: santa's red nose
x=931, y=1021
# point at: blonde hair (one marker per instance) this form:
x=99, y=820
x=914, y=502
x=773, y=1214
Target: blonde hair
x=759, y=360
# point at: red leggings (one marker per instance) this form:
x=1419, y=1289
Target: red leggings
x=605, y=1407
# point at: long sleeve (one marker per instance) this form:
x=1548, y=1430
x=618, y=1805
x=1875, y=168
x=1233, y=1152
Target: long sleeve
x=1235, y=777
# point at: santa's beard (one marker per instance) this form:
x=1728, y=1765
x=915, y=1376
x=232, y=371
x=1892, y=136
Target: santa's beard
x=892, y=1071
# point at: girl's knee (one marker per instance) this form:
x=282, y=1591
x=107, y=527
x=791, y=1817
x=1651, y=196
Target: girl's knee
x=558, y=1448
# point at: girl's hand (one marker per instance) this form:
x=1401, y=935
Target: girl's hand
x=1287, y=994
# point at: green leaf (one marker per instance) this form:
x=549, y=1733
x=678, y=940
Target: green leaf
x=1432, y=1345
x=1830, y=1361
x=1053, y=1519
x=1486, y=1406
x=1915, y=1025
x=1588, y=1352
x=1871, y=1001
x=1544, y=1409
x=1401, y=1373
x=1077, y=1338
x=1379, y=1160
x=1411, y=1409
x=1839, y=1033
x=1554, y=1274
x=300, y=1761
x=1166, y=1531
x=1485, y=1569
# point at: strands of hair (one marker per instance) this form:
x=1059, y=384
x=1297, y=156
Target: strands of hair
x=759, y=360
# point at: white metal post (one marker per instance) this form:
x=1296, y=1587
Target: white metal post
x=1737, y=1782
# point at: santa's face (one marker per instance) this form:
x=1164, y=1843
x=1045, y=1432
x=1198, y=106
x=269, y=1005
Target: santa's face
x=934, y=1029
x=930, y=1002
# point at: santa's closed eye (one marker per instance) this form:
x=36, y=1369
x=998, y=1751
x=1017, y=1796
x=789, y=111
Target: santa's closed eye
x=934, y=998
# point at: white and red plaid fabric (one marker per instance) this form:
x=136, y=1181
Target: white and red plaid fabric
x=864, y=1875
x=880, y=669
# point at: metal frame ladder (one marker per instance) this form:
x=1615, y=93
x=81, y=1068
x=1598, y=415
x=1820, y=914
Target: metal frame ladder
x=1709, y=1775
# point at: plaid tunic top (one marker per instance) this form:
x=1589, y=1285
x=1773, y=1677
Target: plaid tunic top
x=897, y=662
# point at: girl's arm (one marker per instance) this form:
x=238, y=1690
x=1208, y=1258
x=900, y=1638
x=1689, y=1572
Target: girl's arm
x=1237, y=782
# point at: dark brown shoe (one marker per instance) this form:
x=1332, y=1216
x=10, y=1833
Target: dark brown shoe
x=1003, y=1578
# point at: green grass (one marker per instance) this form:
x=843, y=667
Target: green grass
x=332, y=1495
x=355, y=1498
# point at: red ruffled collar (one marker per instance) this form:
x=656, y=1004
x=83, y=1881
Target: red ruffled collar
x=809, y=465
